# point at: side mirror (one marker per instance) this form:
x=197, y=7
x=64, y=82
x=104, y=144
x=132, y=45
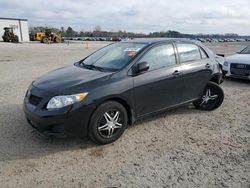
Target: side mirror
x=141, y=67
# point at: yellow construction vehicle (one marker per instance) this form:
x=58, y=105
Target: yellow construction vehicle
x=9, y=35
x=48, y=37
x=39, y=36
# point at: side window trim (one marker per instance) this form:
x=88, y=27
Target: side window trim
x=177, y=59
x=202, y=50
x=176, y=53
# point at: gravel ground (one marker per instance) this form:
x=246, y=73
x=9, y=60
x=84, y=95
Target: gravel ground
x=179, y=148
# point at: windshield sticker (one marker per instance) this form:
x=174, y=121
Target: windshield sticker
x=131, y=53
x=132, y=49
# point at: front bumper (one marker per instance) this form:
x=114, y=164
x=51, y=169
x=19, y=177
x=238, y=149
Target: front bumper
x=227, y=73
x=237, y=70
x=65, y=122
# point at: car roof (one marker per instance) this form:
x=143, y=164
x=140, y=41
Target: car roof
x=160, y=40
x=153, y=41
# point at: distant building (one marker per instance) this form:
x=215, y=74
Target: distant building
x=20, y=28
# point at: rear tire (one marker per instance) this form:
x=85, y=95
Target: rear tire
x=4, y=39
x=108, y=122
x=212, y=97
x=45, y=40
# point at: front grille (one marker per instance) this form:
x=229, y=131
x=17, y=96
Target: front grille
x=34, y=100
x=240, y=69
x=240, y=66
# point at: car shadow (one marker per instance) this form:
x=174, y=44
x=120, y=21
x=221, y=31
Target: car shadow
x=18, y=140
x=182, y=110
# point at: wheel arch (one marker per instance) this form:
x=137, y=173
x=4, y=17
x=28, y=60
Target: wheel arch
x=124, y=103
x=216, y=79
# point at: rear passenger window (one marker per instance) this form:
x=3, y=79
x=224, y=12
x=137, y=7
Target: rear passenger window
x=203, y=54
x=188, y=52
x=160, y=56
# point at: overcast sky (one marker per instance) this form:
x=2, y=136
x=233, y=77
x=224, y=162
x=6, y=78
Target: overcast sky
x=186, y=16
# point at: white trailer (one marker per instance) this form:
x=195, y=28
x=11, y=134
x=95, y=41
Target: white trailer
x=20, y=28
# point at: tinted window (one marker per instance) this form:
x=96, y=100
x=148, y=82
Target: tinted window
x=160, y=56
x=188, y=52
x=203, y=54
x=114, y=56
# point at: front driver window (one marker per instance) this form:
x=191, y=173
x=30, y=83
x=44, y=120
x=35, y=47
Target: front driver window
x=160, y=56
x=188, y=52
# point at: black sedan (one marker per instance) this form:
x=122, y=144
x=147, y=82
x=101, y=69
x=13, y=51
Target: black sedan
x=121, y=83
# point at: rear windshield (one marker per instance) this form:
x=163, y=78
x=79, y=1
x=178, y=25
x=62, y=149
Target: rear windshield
x=114, y=56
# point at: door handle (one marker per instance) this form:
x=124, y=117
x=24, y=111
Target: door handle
x=176, y=73
x=207, y=65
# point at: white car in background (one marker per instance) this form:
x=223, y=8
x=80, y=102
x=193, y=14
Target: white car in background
x=238, y=65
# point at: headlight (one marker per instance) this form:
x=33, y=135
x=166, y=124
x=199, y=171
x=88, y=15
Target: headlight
x=61, y=101
x=225, y=63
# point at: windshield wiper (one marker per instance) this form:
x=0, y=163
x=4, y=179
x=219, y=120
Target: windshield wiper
x=92, y=67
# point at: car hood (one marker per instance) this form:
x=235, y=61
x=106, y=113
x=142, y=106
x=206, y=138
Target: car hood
x=239, y=58
x=69, y=77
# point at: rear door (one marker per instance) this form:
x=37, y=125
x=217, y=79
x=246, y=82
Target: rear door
x=196, y=69
x=161, y=85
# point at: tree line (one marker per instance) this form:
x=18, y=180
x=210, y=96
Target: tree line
x=98, y=32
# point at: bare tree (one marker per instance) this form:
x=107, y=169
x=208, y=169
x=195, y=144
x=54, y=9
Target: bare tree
x=98, y=28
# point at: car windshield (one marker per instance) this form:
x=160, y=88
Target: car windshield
x=113, y=57
x=246, y=50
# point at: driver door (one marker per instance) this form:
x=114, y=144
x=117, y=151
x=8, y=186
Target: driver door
x=161, y=86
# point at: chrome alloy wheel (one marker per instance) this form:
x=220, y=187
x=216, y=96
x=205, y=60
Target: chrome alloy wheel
x=110, y=123
x=208, y=97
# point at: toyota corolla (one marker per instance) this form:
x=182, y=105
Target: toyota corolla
x=123, y=82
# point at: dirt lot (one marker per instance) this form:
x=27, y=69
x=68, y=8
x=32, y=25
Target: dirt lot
x=183, y=147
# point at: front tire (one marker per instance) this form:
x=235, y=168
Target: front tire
x=57, y=40
x=16, y=40
x=108, y=122
x=212, y=97
x=45, y=40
